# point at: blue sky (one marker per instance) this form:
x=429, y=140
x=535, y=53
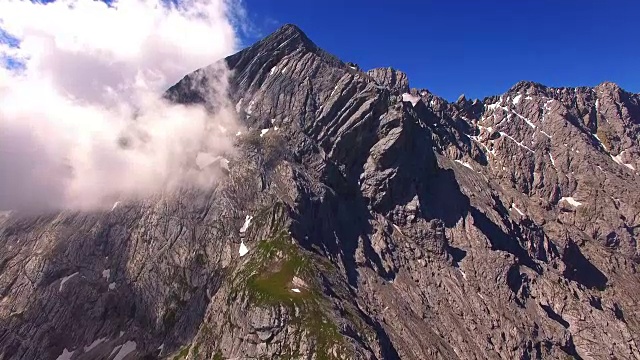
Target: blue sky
x=478, y=48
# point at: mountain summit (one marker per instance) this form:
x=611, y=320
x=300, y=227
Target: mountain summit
x=359, y=219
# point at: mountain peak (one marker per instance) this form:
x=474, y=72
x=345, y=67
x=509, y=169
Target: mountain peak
x=291, y=29
x=289, y=33
x=609, y=86
x=526, y=84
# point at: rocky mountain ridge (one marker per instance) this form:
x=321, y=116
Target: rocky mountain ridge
x=379, y=222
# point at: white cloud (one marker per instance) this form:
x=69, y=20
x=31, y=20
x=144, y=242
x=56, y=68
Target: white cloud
x=84, y=122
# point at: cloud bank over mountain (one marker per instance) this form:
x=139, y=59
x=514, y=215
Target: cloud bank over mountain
x=82, y=118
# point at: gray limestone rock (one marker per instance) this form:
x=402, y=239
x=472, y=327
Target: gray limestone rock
x=395, y=80
x=382, y=229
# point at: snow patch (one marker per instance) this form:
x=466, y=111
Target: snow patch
x=295, y=290
x=494, y=106
x=66, y=355
x=489, y=128
x=528, y=98
x=284, y=43
x=490, y=152
x=464, y=276
x=600, y=141
x=517, y=99
x=552, y=161
x=516, y=141
x=249, y=109
x=243, y=249
x=114, y=205
x=465, y=164
x=263, y=132
x=125, y=350
x=106, y=274
x=571, y=201
x=513, y=206
x=545, y=134
x=65, y=279
x=333, y=91
x=406, y=97
x=618, y=159
x=397, y=228
x=525, y=119
x=161, y=348
x=239, y=133
x=94, y=344
x=239, y=105
x=112, y=286
x=247, y=222
x=224, y=163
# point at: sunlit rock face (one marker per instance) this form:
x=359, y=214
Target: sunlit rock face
x=357, y=218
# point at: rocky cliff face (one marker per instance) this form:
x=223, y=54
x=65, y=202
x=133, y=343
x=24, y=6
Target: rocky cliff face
x=360, y=219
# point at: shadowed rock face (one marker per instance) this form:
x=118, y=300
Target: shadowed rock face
x=387, y=223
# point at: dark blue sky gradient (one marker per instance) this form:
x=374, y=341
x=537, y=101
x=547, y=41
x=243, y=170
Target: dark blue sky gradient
x=479, y=48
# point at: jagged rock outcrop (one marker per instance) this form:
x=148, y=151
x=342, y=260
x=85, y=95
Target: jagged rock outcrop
x=395, y=80
x=380, y=222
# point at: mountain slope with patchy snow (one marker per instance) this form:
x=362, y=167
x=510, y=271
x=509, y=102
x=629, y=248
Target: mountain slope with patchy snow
x=359, y=219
